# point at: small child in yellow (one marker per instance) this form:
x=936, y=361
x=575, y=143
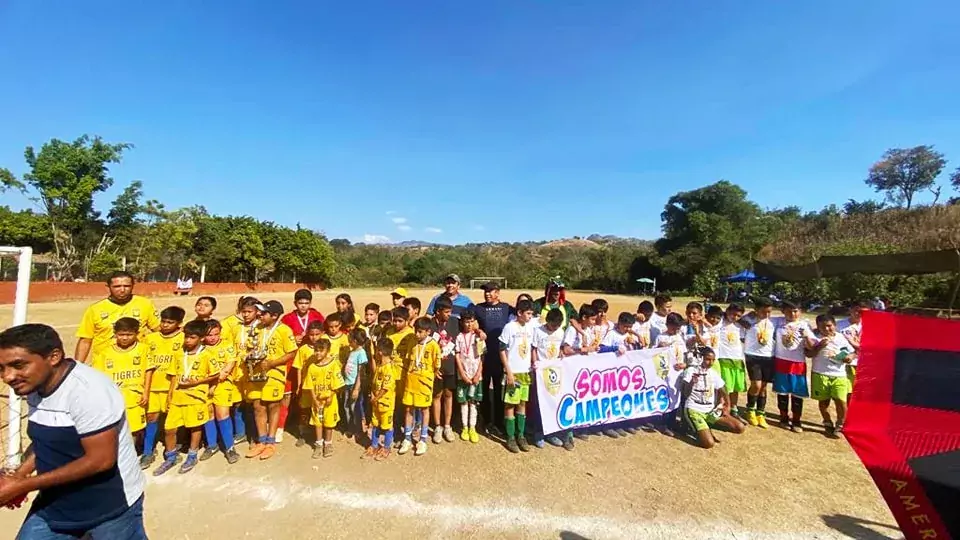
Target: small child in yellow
x=188, y=401
x=322, y=379
x=314, y=346
x=161, y=347
x=383, y=395
x=420, y=370
x=224, y=393
x=126, y=363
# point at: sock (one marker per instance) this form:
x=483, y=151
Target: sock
x=511, y=428
x=375, y=438
x=387, y=437
x=226, y=433
x=424, y=431
x=269, y=440
x=761, y=403
x=170, y=456
x=282, y=420
x=465, y=414
x=262, y=439
x=751, y=402
x=417, y=417
x=239, y=426
x=472, y=415
x=150, y=438
x=192, y=454
x=796, y=403
x=210, y=433
x=783, y=402
x=521, y=425
x=408, y=433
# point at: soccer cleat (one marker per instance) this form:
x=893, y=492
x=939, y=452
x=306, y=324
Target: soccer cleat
x=370, y=452
x=383, y=454
x=448, y=434
x=796, y=427
x=667, y=432
x=568, y=444
x=405, y=446
x=327, y=449
x=611, y=433
x=580, y=434
x=621, y=432
x=209, y=452
x=421, y=448
x=168, y=463
x=279, y=437
x=830, y=429
x=232, y=456
x=317, y=451
x=255, y=450
x=239, y=438
x=762, y=421
x=437, y=435
x=512, y=446
x=522, y=444
x=269, y=451
x=839, y=429
x=474, y=436
x=555, y=441
x=147, y=460
x=649, y=428
x=752, y=418
x=539, y=442
x=630, y=429
x=188, y=464
x=465, y=434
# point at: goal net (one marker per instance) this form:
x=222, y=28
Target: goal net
x=12, y=408
x=479, y=281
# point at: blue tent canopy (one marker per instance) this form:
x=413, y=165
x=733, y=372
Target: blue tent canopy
x=743, y=276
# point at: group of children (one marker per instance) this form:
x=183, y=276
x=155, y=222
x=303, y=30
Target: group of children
x=391, y=372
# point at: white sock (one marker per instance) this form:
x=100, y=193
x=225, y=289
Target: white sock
x=473, y=415
x=465, y=414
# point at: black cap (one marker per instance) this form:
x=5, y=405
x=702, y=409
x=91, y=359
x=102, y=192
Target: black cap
x=302, y=294
x=490, y=286
x=272, y=307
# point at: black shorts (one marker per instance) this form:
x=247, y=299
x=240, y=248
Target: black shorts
x=760, y=368
x=448, y=382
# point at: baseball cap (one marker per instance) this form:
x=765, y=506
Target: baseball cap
x=452, y=277
x=273, y=307
x=400, y=291
x=490, y=286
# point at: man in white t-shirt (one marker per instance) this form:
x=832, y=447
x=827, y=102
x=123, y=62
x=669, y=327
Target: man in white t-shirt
x=81, y=449
x=702, y=389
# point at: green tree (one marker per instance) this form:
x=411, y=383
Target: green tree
x=901, y=173
x=25, y=228
x=9, y=181
x=852, y=207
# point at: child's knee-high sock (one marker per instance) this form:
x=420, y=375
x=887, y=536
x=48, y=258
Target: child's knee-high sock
x=472, y=412
x=761, y=403
x=521, y=425
x=150, y=438
x=226, y=432
x=375, y=438
x=424, y=434
x=239, y=425
x=465, y=414
x=210, y=433
x=796, y=403
x=783, y=403
x=408, y=432
x=751, y=402
x=387, y=437
x=511, y=425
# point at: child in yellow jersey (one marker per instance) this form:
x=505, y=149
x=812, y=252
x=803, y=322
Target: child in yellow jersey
x=161, y=348
x=339, y=343
x=230, y=326
x=126, y=363
x=314, y=347
x=404, y=340
x=224, y=393
x=191, y=375
x=279, y=346
x=322, y=379
x=243, y=325
x=420, y=370
x=382, y=400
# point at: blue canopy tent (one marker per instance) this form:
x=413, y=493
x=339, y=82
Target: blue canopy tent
x=744, y=276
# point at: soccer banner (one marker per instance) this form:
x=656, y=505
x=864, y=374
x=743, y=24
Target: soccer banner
x=585, y=391
x=904, y=420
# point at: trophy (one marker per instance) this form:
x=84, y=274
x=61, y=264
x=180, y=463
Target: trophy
x=255, y=353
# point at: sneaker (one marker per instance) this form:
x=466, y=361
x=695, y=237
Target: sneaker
x=405, y=446
x=327, y=449
x=448, y=434
x=621, y=432
x=512, y=446
x=664, y=430
x=437, y=435
x=762, y=421
x=421, y=448
x=232, y=456
x=649, y=428
x=631, y=430
x=580, y=434
x=752, y=418
x=317, y=451
x=554, y=441
x=611, y=433
x=568, y=444
x=168, y=463
x=239, y=438
x=188, y=464
x=839, y=429
x=465, y=434
x=474, y=436
x=829, y=428
x=538, y=442
x=209, y=452
x=784, y=420
x=269, y=451
x=796, y=427
x=370, y=452
x=522, y=444
x=279, y=437
x=299, y=442
x=383, y=454
x=147, y=460
x=255, y=450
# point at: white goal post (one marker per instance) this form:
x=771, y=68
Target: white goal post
x=12, y=444
x=478, y=281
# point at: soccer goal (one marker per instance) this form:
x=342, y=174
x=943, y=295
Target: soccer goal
x=11, y=421
x=478, y=281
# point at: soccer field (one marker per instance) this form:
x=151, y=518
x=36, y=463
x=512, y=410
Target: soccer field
x=762, y=484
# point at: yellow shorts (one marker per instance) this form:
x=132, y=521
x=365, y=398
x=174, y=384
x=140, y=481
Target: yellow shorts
x=136, y=418
x=157, y=402
x=382, y=418
x=269, y=391
x=331, y=414
x=418, y=400
x=188, y=416
x=225, y=394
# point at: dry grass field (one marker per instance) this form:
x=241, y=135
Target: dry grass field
x=762, y=484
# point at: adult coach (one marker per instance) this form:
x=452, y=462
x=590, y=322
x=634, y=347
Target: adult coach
x=96, y=326
x=492, y=315
x=555, y=297
x=461, y=303
x=81, y=449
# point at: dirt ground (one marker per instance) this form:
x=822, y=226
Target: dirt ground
x=762, y=484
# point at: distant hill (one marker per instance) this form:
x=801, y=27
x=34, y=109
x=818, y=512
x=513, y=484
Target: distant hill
x=591, y=242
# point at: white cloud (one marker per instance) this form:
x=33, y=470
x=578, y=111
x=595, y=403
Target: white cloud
x=376, y=239
x=479, y=228
x=403, y=228
x=391, y=212
x=433, y=230
x=399, y=220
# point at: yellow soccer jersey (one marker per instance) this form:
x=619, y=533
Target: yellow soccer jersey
x=127, y=368
x=421, y=368
x=161, y=350
x=385, y=378
x=280, y=341
x=339, y=347
x=98, y=319
x=222, y=354
x=323, y=379
x=194, y=366
x=404, y=342
x=229, y=327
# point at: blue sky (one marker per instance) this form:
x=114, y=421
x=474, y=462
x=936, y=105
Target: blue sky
x=471, y=121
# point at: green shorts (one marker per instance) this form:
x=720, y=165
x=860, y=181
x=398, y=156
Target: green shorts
x=469, y=392
x=826, y=387
x=734, y=375
x=519, y=393
x=852, y=375
x=700, y=421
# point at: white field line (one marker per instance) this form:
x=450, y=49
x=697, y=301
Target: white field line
x=451, y=517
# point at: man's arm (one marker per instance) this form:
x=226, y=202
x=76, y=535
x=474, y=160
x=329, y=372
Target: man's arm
x=82, y=350
x=29, y=465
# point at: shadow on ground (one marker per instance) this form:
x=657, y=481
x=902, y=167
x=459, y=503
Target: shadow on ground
x=859, y=528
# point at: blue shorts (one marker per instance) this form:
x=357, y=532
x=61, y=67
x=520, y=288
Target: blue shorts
x=790, y=378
